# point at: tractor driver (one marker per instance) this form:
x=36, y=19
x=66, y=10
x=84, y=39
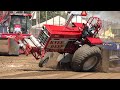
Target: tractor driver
x=93, y=29
x=17, y=23
x=89, y=31
x=85, y=30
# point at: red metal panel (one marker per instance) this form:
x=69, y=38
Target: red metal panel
x=95, y=40
x=62, y=30
x=78, y=24
x=11, y=35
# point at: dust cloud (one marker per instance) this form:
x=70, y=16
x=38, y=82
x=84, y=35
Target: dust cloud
x=111, y=16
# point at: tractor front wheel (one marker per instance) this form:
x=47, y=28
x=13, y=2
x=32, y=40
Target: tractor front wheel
x=86, y=58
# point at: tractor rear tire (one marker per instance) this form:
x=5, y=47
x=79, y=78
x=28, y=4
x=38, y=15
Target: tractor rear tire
x=86, y=58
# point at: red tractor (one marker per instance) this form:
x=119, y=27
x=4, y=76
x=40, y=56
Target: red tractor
x=79, y=39
x=12, y=22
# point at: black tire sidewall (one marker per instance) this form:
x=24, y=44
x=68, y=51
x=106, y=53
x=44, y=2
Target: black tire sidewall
x=78, y=65
x=86, y=59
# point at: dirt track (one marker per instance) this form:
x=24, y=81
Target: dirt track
x=23, y=67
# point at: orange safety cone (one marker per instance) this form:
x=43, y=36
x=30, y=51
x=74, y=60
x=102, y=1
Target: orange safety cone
x=84, y=13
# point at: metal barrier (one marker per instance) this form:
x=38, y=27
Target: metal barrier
x=114, y=48
x=3, y=29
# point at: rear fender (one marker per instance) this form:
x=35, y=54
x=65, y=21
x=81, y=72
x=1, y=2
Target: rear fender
x=94, y=41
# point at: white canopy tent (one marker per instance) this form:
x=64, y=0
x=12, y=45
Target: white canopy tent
x=58, y=20
x=78, y=19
